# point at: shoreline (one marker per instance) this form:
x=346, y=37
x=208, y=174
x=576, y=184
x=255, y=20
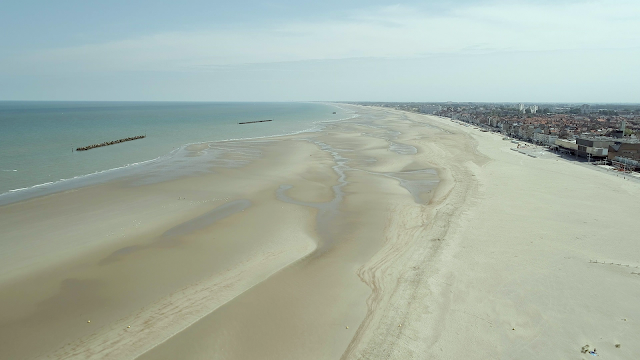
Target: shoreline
x=73, y=264
x=22, y=194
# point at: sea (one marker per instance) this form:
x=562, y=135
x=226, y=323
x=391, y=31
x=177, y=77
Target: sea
x=38, y=139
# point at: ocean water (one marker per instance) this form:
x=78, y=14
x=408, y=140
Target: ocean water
x=37, y=138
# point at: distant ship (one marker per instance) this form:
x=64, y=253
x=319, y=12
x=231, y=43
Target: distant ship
x=334, y=112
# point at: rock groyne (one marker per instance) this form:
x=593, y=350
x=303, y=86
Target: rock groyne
x=253, y=122
x=107, y=143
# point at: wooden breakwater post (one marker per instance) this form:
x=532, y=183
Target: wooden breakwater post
x=253, y=122
x=107, y=143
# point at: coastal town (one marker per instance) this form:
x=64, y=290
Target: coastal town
x=607, y=134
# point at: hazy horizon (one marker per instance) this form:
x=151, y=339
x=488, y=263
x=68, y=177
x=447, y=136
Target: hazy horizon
x=464, y=51
x=577, y=103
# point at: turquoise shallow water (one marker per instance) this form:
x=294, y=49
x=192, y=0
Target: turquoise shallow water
x=37, y=138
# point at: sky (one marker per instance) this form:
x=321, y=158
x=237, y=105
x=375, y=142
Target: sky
x=285, y=50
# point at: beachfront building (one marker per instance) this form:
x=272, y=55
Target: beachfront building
x=528, y=132
x=545, y=139
x=594, y=148
x=626, y=151
x=625, y=156
x=567, y=146
x=629, y=150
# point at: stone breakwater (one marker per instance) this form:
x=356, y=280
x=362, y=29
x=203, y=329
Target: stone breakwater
x=253, y=122
x=107, y=143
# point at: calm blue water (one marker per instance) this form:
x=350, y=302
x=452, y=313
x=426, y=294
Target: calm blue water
x=37, y=138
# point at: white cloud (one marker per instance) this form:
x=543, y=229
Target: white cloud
x=389, y=32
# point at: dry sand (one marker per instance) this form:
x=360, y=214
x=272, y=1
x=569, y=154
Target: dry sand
x=389, y=236
x=532, y=258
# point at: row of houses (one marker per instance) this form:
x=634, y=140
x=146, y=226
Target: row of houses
x=620, y=150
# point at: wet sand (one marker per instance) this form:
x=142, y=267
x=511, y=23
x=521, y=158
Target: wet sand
x=264, y=245
x=168, y=253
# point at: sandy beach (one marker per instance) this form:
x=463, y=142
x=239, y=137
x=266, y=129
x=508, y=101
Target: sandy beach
x=391, y=235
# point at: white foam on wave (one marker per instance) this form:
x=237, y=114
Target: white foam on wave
x=96, y=173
